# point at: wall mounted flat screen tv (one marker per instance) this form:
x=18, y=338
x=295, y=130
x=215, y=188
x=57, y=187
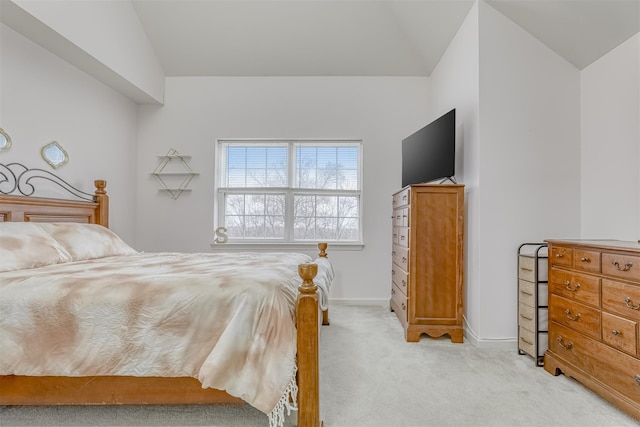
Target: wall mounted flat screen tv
x=430, y=153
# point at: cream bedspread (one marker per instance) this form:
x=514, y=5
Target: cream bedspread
x=226, y=319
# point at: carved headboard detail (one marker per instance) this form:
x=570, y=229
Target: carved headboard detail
x=17, y=203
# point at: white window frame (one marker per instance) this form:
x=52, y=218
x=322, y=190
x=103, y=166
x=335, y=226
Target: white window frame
x=287, y=242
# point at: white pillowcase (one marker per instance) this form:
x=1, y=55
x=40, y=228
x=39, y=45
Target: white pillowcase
x=87, y=241
x=26, y=245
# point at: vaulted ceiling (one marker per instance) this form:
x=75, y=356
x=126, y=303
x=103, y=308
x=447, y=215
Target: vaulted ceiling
x=361, y=37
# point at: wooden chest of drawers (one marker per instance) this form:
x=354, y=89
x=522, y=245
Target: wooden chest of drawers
x=427, y=260
x=594, y=317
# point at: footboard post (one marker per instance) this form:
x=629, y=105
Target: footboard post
x=308, y=361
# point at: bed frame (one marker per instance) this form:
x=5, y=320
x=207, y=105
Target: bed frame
x=109, y=390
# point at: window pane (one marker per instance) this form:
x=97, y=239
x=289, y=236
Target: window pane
x=304, y=206
x=234, y=204
x=304, y=228
x=252, y=165
x=327, y=167
x=348, y=229
x=275, y=204
x=327, y=206
x=234, y=225
x=326, y=228
x=274, y=227
x=348, y=207
x=254, y=226
x=255, y=216
x=255, y=204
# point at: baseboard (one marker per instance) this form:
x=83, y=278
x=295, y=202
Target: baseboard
x=359, y=301
x=506, y=344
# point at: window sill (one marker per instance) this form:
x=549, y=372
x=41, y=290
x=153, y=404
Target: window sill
x=271, y=246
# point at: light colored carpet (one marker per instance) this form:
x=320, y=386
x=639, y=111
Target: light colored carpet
x=371, y=377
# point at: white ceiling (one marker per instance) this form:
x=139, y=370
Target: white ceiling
x=360, y=37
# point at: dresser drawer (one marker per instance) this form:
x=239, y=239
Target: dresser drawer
x=404, y=218
x=400, y=256
x=527, y=341
x=399, y=304
x=529, y=316
x=403, y=236
x=586, y=260
x=400, y=278
x=622, y=266
x=397, y=218
x=621, y=298
x=576, y=316
x=527, y=295
x=561, y=256
x=575, y=286
x=401, y=198
x=608, y=366
x=620, y=333
x=527, y=268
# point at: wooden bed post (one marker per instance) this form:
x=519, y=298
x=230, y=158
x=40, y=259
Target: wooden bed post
x=308, y=360
x=102, y=213
x=323, y=254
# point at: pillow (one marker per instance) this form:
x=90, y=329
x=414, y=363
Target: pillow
x=87, y=241
x=26, y=245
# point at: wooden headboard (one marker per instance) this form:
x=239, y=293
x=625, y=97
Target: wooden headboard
x=26, y=208
x=39, y=209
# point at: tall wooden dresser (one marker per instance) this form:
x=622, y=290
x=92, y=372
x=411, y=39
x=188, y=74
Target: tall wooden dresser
x=427, y=260
x=594, y=312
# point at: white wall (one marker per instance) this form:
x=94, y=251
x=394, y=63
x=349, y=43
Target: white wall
x=44, y=99
x=610, y=121
x=529, y=159
x=379, y=110
x=102, y=37
x=455, y=84
x=518, y=109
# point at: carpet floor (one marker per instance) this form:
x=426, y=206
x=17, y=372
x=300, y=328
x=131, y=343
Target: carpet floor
x=371, y=377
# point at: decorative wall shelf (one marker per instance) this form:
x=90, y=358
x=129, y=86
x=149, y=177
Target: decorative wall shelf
x=174, y=173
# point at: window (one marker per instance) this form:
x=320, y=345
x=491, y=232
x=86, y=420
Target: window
x=289, y=191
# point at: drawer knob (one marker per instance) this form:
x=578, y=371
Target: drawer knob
x=559, y=255
x=404, y=307
x=567, y=346
x=570, y=317
x=629, y=304
x=583, y=259
x=616, y=332
x=567, y=284
x=404, y=282
x=626, y=267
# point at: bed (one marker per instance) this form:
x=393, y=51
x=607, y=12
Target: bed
x=269, y=309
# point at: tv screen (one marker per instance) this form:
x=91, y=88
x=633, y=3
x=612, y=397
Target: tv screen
x=430, y=153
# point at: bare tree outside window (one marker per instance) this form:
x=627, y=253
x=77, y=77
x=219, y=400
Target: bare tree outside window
x=290, y=191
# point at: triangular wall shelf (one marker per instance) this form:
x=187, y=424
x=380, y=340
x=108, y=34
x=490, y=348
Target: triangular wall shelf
x=173, y=173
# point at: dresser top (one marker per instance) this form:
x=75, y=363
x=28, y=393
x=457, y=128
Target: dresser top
x=620, y=245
